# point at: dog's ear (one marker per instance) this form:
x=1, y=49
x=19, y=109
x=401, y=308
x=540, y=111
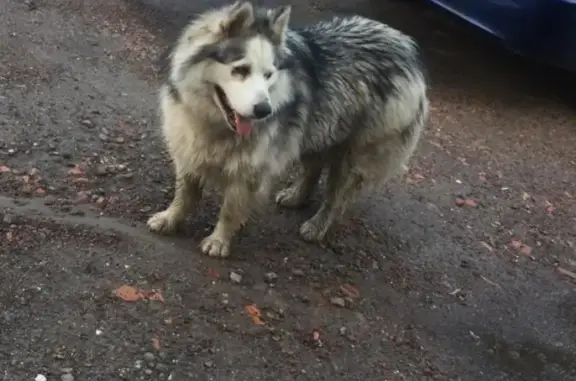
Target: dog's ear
x=241, y=15
x=279, y=19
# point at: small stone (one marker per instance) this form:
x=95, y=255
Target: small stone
x=10, y=219
x=209, y=364
x=270, y=277
x=120, y=140
x=148, y=371
x=149, y=356
x=82, y=198
x=87, y=123
x=161, y=366
x=101, y=170
x=235, y=277
x=514, y=355
x=67, y=377
x=338, y=301
x=32, y=6
x=297, y=272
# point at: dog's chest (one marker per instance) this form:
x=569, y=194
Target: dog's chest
x=259, y=157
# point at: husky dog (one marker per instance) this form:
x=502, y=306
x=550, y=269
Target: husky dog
x=247, y=97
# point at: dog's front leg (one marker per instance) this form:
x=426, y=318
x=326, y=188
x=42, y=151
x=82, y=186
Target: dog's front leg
x=187, y=194
x=239, y=201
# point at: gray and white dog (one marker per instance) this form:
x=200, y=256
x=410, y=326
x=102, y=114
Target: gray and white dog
x=247, y=97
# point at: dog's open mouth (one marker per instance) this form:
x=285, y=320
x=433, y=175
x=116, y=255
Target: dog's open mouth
x=237, y=122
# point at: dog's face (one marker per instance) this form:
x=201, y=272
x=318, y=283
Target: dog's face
x=243, y=64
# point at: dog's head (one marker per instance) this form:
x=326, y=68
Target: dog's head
x=241, y=61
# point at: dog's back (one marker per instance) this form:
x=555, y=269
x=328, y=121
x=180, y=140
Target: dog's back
x=362, y=75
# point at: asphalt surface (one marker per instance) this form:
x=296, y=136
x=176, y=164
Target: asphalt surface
x=463, y=269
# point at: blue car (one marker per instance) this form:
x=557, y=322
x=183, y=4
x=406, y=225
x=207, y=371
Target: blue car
x=544, y=30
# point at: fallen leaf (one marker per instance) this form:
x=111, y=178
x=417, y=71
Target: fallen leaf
x=254, y=313
x=525, y=249
x=156, y=343
x=550, y=208
x=129, y=293
x=468, y=202
x=516, y=244
x=418, y=176
x=155, y=295
x=471, y=203
x=213, y=273
x=40, y=191
x=4, y=169
x=76, y=171
x=350, y=291
x=26, y=179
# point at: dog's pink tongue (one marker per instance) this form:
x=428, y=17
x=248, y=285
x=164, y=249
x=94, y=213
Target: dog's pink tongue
x=243, y=125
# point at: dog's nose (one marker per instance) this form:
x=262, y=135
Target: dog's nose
x=262, y=110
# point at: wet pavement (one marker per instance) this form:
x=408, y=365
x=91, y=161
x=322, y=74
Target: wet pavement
x=463, y=269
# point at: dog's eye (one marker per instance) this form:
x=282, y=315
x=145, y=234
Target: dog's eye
x=268, y=74
x=242, y=71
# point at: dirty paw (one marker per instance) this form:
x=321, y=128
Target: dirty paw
x=215, y=246
x=290, y=197
x=312, y=232
x=163, y=222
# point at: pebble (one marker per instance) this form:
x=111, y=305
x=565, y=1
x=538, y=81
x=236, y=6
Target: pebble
x=67, y=377
x=297, y=272
x=49, y=200
x=270, y=277
x=87, y=122
x=209, y=364
x=10, y=219
x=338, y=301
x=235, y=277
x=149, y=356
x=101, y=170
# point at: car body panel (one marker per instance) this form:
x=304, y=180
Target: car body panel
x=544, y=30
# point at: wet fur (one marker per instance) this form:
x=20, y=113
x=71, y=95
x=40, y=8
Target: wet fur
x=349, y=97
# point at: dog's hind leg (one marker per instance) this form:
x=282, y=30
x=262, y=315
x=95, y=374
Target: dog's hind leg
x=239, y=201
x=296, y=194
x=344, y=183
x=187, y=194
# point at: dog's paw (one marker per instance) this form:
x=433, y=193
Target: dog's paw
x=290, y=197
x=310, y=231
x=163, y=222
x=215, y=246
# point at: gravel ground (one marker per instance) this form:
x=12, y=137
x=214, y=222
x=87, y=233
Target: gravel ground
x=463, y=269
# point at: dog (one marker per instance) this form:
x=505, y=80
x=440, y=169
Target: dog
x=248, y=97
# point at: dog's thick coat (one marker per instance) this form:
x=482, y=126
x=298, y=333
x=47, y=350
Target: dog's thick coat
x=247, y=97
